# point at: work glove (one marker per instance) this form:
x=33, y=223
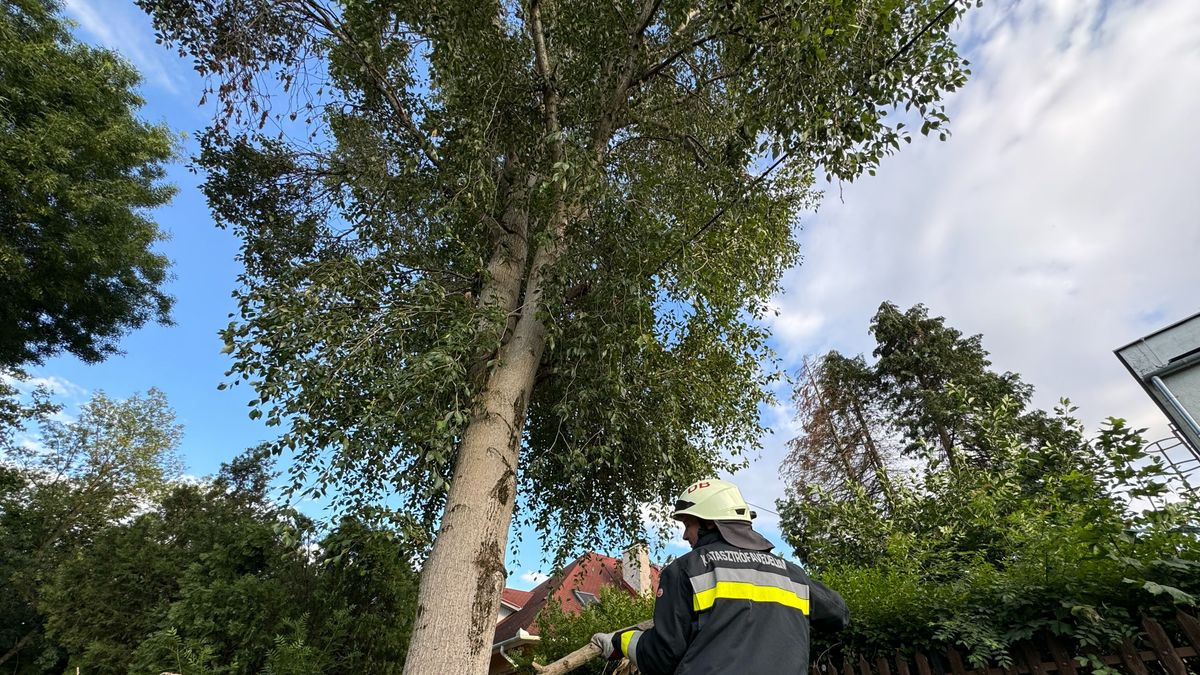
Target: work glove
x=609, y=644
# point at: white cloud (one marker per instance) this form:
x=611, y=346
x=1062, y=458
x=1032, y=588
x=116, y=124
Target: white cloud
x=533, y=577
x=124, y=28
x=57, y=386
x=1060, y=220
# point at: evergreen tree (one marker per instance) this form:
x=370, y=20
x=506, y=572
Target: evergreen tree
x=920, y=361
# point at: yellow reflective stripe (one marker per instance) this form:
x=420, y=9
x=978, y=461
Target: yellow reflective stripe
x=625, y=638
x=738, y=590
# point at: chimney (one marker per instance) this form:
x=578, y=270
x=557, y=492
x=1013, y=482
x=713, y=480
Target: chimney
x=635, y=568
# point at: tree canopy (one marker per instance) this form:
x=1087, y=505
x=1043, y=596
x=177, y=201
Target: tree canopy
x=860, y=420
x=66, y=483
x=79, y=173
x=511, y=249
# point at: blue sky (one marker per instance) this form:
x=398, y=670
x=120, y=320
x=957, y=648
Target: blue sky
x=1061, y=221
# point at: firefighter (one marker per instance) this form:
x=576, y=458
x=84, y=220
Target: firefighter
x=730, y=605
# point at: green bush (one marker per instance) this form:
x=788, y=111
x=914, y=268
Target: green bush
x=1072, y=537
x=563, y=632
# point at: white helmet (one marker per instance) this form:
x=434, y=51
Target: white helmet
x=713, y=499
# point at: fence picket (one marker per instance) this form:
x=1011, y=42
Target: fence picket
x=1132, y=660
x=1191, y=628
x=922, y=664
x=863, y=666
x=956, y=662
x=901, y=664
x=1033, y=659
x=1066, y=664
x=1161, y=644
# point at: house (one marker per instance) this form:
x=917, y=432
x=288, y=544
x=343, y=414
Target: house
x=577, y=586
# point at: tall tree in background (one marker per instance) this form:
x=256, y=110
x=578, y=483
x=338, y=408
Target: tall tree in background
x=928, y=398
x=79, y=477
x=520, y=248
x=847, y=442
x=78, y=172
x=919, y=357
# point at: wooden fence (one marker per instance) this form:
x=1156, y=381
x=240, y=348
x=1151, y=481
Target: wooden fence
x=1153, y=653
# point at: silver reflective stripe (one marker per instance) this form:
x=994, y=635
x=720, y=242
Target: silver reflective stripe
x=708, y=580
x=632, y=655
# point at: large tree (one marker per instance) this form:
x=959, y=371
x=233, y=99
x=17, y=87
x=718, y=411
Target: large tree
x=75, y=479
x=858, y=418
x=924, y=366
x=520, y=248
x=78, y=173
x=930, y=400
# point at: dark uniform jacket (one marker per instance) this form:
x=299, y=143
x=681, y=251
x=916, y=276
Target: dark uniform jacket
x=727, y=610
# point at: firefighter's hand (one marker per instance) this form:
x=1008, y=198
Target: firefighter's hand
x=607, y=644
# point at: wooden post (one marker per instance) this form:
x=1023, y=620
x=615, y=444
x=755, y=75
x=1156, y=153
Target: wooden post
x=1191, y=628
x=1131, y=660
x=847, y=667
x=922, y=664
x=956, y=662
x=1066, y=664
x=863, y=667
x=901, y=664
x=881, y=664
x=1161, y=644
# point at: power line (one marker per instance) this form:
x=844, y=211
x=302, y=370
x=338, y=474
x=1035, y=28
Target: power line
x=904, y=48
x=763, y=508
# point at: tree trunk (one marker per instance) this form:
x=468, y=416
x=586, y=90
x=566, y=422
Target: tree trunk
x=942, y=432
x=881, y=472
x=831, y=421
x=16, y=649
x=464, y=574
x=463, y=577
x=948, y=446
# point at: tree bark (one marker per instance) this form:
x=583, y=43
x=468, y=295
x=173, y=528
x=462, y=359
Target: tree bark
x=463, y=577
x=464, y=574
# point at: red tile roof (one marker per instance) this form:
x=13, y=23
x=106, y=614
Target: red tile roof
x=514, y=598
x=589, y=573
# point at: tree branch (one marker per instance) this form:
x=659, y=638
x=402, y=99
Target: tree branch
x=625, y=79
x=549, y=91
x=672, y=58
x=689, y=47
x=19, y=646
x=327, y=21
